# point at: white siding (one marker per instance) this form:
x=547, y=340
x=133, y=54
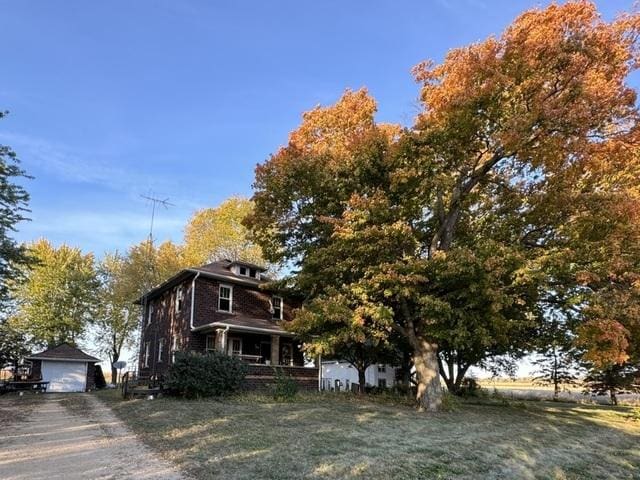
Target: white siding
x=342, y=371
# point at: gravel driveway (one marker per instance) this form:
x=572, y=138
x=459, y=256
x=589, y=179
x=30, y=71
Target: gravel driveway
x=71, y=436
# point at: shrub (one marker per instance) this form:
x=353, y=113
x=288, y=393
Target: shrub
x=285, y=388
x=450, y=402
x=194, y=375
x=469, y=387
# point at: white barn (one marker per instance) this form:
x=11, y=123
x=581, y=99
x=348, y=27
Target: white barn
x=340, y=376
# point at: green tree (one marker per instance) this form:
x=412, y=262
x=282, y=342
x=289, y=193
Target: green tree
x=612, y=380
x=58, y=300
x=13, y=208
x=458, y=226
x=334, y=327
x=13, y=344
x=116, y=320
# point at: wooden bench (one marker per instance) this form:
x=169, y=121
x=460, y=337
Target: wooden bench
x=133, y=385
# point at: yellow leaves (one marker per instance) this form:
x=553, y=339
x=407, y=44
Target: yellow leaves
x=585, y=278
x=219, y=233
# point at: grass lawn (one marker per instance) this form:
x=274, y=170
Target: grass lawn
x=341, y=437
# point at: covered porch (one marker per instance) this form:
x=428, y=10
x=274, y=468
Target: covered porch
x=253, y=344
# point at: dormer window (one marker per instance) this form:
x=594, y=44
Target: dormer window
x=246, y=271
x=149, y=314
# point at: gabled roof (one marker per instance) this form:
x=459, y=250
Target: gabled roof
x=64, y=352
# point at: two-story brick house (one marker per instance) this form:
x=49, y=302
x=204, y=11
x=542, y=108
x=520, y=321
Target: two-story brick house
x=221, y=306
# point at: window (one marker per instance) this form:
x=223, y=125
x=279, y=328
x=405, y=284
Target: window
x=276, y=307
x=174, y=349
x=179, y=299
x=243, y=271
x=225, y=294
x=253, y=273
x=210, y=343
x=149, y=314
x=382, y=383
x=160, y=349
x=382, y=368
x=235, y=346
x=146, y=355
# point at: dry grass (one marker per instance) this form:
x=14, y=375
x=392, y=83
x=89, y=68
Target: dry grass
x=336, y=437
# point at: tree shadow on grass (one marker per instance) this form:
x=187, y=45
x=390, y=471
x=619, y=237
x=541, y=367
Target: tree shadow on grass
x=333, y=439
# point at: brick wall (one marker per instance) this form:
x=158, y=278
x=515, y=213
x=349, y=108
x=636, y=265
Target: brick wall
x=247, y=301
x=173, y=326
x=262, y=377
x=168, y=324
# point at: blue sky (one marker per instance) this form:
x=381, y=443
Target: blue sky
x=111, y=100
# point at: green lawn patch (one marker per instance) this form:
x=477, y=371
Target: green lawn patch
x=339, y=437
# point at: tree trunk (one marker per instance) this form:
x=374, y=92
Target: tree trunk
x=361, y=380
x=453, y=375
x=429, y=394
x=614, y=398
x=114, y=370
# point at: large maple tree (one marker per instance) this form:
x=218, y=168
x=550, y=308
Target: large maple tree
x=457, y=232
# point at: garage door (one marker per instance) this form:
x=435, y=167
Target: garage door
x=64, y=376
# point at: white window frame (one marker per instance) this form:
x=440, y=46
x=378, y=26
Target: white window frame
x=246, y=270
x=213, y=343
x=179, y=298
x=230, y=345
x=174, y=348
x=230, y=287
x=149, y=313
x=382, y=369
x=146, y=354
x=273, y=307
x=382, y=383
x=160, y=349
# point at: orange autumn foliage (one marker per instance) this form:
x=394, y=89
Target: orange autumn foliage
x=605, y=341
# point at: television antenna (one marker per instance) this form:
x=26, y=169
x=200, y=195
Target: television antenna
x=156, y=202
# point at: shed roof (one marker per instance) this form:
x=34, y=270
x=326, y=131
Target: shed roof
x=64, y=352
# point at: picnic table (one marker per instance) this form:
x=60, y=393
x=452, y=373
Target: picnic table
x=28, y=385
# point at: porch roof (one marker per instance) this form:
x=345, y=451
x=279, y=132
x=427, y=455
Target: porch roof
x=247, y=324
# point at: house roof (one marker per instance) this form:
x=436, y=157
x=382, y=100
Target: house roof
x=220, y=270
x=249, y=324
x=64, y=352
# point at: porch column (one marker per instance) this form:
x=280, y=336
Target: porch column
x=221, y=340
x=275, y=349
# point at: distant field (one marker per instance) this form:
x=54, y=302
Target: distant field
x=524, y=388
x=343, y=437
x=518, y=383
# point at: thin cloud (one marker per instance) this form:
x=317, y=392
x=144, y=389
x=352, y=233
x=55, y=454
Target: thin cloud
x=67, y=164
